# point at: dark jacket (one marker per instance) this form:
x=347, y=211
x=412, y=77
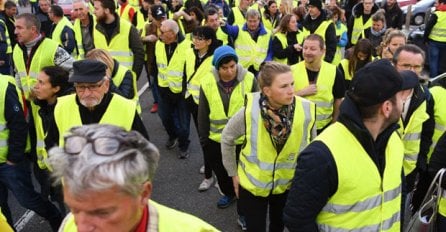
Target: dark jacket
x=17, y=125
x=90, y=117
x=135, y=43
x=45, y=23
x=330, y=34
x=394, y=16
x=125, y=89
x=289, y=52
x=316, y=176
x=67, y=38
x=11, y=27
x=438, y=159
x=358, y=11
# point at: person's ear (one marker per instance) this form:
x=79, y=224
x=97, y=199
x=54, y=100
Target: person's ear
x=386, y=108
x=146, y=192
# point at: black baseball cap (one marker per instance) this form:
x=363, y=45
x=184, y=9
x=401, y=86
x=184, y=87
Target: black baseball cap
x=158, y=12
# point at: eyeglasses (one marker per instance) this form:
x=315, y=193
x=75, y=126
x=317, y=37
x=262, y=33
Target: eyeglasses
x=103, y=146
x=165, y=32
x=409, y=66
x=93, y=87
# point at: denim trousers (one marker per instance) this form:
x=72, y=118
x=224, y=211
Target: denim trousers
x=435, y=50
x=17, y=178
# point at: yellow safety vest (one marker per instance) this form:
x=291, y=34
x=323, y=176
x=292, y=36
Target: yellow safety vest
x=59, y=28
x=171, y=74
x=119, y=77
x=140, y=21
x=8, y=40
x=411, y=136
x=438, y=32
x=239, y=18
x=125, y=13
x=359, y=28
x=4, y=226
x=249, y=51
x=120, y=112
x=194, y=76
x=222, y=36
x=43, y=56
x=42, y=154
x=345, y=66
x=283, y=40
x=439, y=95
x=263, y=171
x=217, y=116
x=324, y=96
x=134, y=3
x=119, y=46
x=363, y=201
x=321, y=29
x=78, y=35
x=338, y=55
x=4, y=131
x=164, y=215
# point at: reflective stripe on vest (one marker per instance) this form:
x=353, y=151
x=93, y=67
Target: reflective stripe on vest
x=194, y=76
x=43, y=56
x=57, y=33
x=324, y=96
x=364, y=200
x=217, y=115
x=119, y=112
x=359, y=28
x=262, y=171
x=119, y=46
x=171, y=74
x=249, y=51
x=411, y=136
x=438, y=32
x=438, y=94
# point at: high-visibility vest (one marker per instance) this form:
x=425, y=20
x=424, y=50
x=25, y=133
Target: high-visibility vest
x=438, y=32
x=8, y=40
x=217, y=116
x=4, y=131
x=119, y=77
x=78, y=35
x=194, y=76
x=321, y=29
x=411, y=136
x=262, y=170
x=119, y=46
x=170, y=74
x=41, y=152
x=363, y=201
x=338, y=55
x=345, y=66
x=283, y=40
x=120, y=112
x=134, y=3
x=4, y=226
x=140, y=21
x=164, y=215
x=249, y=51
x=324, y=97
x=125, y=12
x=222, y=36
x=439, y=95
x=43, y=56
x=359, y=28
x=239, y=18
x=57, y=33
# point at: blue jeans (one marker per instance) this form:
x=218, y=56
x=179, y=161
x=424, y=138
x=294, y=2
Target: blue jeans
x=17, y=178
x=175, y=117
x=435, y=49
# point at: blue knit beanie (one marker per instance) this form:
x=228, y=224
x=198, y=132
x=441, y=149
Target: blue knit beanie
x=222, y=52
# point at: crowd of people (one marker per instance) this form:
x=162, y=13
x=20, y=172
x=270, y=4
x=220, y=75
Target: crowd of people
x=313, y=113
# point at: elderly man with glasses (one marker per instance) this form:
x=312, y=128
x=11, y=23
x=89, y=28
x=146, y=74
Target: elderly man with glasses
x=107, y=178
x=92, y=103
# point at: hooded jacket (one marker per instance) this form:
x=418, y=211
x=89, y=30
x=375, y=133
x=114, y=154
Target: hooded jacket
x=358, y=11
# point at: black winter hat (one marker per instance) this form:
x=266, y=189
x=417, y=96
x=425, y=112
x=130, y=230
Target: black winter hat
x=316, y=3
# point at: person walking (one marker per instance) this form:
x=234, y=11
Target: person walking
x=435, y=36
x=276, y=125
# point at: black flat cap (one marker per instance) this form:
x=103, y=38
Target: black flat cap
x=88, y=71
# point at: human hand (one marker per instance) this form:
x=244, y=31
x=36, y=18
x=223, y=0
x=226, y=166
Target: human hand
x=307, y=91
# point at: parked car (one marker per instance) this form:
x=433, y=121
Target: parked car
x=67, y=7
x=419, y=11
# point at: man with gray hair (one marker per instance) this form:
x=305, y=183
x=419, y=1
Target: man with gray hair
x=252, y=41
x=107, y=176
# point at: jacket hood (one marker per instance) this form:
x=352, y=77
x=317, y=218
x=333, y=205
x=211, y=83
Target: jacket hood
x=241, y=72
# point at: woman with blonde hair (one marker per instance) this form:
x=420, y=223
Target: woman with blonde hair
x=393, y=39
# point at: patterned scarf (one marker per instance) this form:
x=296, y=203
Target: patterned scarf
x=277, y=122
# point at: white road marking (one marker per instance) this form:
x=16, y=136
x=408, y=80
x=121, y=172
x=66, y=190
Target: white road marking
x=143, y=88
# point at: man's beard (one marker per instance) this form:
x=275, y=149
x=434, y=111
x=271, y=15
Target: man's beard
x=101, y=19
